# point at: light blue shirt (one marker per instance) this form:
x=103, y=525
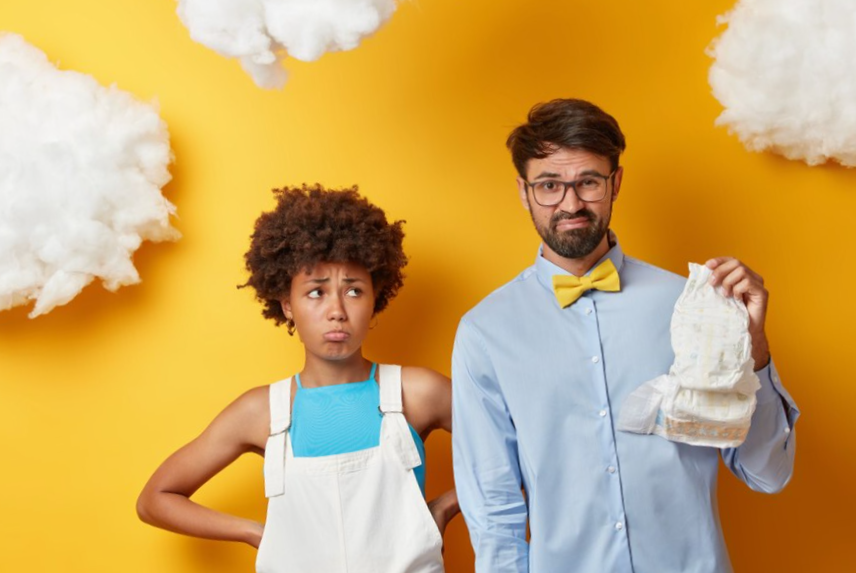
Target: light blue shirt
x=536, y=393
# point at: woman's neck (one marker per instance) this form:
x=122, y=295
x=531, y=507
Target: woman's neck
x=319, y=372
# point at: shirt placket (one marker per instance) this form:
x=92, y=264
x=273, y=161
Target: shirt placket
x=601, y=413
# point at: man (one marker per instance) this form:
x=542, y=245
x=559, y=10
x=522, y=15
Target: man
x=538, y=385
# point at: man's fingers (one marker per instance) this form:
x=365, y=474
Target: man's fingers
x=724, y=266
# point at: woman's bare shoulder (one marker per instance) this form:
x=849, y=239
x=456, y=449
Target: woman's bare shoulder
x=427, y=398
x=424, y=379
x=246, y=419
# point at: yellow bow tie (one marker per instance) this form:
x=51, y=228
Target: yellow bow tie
x=568, y=288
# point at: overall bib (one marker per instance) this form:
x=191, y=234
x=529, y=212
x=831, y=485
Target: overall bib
x=359, y=512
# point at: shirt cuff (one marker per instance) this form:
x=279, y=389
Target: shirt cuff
x=772, y=389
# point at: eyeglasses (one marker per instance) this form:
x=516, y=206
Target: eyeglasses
x=589, y=189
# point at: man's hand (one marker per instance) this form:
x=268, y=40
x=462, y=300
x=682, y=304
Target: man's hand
x=744, y=284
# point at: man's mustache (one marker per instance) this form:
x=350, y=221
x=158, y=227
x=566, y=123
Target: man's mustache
x=562, y=215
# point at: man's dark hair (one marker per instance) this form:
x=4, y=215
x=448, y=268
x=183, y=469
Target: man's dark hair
x=569, y=123
x=312, y=225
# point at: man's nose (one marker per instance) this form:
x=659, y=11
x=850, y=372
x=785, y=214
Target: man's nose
x=570, y=202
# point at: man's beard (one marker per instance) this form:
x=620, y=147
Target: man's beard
x=574, y=243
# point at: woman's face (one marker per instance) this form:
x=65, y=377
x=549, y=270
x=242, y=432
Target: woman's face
x=332, y=305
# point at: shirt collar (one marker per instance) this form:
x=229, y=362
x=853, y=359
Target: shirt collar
x=545, y=269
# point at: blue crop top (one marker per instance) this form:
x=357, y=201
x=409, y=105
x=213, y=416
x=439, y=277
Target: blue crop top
x=340, y=419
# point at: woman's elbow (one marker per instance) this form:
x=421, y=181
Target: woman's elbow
x=145, y=507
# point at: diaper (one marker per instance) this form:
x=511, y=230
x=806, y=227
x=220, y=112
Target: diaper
x=708, y=396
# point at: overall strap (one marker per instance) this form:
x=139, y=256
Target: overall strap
x=280, y=422
x=394, y=429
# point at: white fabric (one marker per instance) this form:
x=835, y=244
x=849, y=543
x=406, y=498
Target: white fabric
x=394, y=429
x=280, y=422
x=360, y=512
x=708, y=396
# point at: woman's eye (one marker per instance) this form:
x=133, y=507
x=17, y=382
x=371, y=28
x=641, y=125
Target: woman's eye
x=314, y=293
x=353, y=292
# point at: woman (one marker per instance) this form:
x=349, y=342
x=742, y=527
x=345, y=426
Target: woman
x=343, y=439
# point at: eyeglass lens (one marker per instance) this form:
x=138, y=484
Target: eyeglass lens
x=551, y=192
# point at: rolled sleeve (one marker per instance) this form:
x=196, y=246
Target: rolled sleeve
x=765, y=461
x=772, y=390
x=485, y=458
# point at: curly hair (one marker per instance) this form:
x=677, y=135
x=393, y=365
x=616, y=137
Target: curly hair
x=311, y=225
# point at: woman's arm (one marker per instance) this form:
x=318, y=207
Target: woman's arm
x=443, y=508
x=165, y=500
x=427, y=401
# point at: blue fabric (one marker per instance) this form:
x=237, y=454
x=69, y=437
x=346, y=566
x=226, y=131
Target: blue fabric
x=536, y=392
x=340, y=419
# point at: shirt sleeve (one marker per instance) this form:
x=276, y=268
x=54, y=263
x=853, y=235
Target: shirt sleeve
x=485, y=458
x=765, y=460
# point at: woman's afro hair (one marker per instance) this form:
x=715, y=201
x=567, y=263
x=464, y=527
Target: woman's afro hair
x=312, y=225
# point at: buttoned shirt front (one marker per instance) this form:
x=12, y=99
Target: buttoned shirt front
x=536, y=392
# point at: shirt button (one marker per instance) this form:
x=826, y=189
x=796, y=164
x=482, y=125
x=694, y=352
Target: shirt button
x=602, y=413
x=595, y=359
x=611, y=469
x=619, y=526
x=787, y=430
x=588, y=311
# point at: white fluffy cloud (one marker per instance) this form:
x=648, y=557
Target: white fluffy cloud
x=81, y=171
x=785, y=71
x=260, y=32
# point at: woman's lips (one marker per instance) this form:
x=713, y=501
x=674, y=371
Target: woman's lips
x=336, y=336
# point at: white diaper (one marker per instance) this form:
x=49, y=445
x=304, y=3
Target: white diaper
x=708, y=396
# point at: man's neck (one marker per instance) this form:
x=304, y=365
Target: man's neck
x=579, y=267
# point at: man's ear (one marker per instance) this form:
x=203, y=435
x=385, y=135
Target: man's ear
x=616, y=182
x=524, y=195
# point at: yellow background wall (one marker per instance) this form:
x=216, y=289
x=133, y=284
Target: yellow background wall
x=94, y=395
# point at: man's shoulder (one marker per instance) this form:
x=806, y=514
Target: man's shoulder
x=637, y=270
x=505, y=297
x=644, y=285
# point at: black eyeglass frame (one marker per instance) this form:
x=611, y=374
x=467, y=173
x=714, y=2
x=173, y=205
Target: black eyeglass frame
x=573, y=185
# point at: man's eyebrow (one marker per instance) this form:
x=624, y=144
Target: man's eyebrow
x=592, y=172
x=546, y=174
x=551, y=175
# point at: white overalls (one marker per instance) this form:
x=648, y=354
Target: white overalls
x=359, y=512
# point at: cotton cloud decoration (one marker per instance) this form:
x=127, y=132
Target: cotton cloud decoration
x=81, y=171
x=785, y=72
x=260, y=32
